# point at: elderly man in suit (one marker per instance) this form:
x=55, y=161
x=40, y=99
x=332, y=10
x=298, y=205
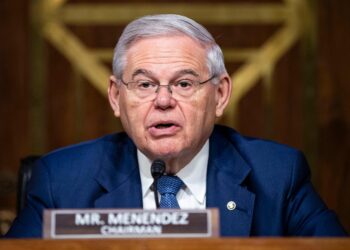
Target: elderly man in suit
x=169, y=85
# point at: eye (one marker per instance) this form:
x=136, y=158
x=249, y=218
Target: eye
x=184, y=84
x=145, y=84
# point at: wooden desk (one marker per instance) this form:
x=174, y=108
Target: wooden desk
x=182, y=244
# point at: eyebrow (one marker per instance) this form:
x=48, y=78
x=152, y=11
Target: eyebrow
x=141, y=72
x=177, y=73
x=187, y=72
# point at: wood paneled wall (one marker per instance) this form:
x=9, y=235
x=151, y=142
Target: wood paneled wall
x=75, y=111
x=14, y=78
x=333, y=106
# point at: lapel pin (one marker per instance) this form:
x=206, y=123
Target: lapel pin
x=231, y=205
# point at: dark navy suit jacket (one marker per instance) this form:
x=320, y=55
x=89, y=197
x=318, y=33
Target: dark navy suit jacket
x=269, y=183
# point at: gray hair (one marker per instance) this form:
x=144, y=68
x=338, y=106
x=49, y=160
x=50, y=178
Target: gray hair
x=167, y=24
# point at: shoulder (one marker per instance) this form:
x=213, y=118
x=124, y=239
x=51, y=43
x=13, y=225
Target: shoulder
x=85, y=155
x=267, y=159
x=250, y=146
x=247, y=144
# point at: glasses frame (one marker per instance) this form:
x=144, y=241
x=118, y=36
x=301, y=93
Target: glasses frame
x=166, y=85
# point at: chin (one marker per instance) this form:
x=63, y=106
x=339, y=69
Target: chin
x=165, y=152
x=164, y=148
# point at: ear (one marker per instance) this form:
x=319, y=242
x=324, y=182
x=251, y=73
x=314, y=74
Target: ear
x=223, y=94
x=114, y=95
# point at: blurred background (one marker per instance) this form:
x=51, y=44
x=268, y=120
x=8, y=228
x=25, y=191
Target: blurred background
x=288, y=60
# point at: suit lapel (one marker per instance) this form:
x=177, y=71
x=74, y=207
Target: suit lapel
x=119, y=176
x=120, y=182
x=227, y=171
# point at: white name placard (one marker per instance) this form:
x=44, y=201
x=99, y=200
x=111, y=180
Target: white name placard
x=122, y=223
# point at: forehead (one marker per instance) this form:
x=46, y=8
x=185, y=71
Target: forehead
x=170, y=53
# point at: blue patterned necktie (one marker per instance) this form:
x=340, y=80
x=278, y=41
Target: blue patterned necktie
x=168, y=186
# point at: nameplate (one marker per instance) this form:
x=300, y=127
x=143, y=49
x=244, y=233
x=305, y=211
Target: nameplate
x=120, y=223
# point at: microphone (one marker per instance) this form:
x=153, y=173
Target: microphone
x=157, y=170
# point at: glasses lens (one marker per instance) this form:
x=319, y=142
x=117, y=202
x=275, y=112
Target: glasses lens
x=143, y=88
x=184, y=88
x=181, y=89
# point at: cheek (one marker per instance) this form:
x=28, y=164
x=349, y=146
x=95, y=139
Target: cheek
x=132, y=116
x=200, y=114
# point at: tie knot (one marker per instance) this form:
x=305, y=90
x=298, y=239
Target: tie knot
x=168, y=184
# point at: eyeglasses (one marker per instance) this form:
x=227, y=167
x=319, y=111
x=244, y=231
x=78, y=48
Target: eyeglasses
x=180, y=89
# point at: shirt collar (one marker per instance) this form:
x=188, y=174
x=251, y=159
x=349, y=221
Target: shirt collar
x=193, y=174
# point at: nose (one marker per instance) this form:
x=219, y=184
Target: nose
x=164, y=99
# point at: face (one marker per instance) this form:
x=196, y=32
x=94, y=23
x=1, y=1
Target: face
x=165, y=127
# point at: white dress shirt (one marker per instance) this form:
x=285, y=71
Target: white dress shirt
x=194, y=176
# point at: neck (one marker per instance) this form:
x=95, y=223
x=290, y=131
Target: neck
x=175, y=164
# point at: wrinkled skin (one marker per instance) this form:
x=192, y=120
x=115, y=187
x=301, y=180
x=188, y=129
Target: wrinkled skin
x=167, y=128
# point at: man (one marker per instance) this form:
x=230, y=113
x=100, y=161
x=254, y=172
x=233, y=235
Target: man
x=168, y=87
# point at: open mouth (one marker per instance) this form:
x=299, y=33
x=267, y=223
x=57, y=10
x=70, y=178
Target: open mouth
x=164, y=128
x=164, y=125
